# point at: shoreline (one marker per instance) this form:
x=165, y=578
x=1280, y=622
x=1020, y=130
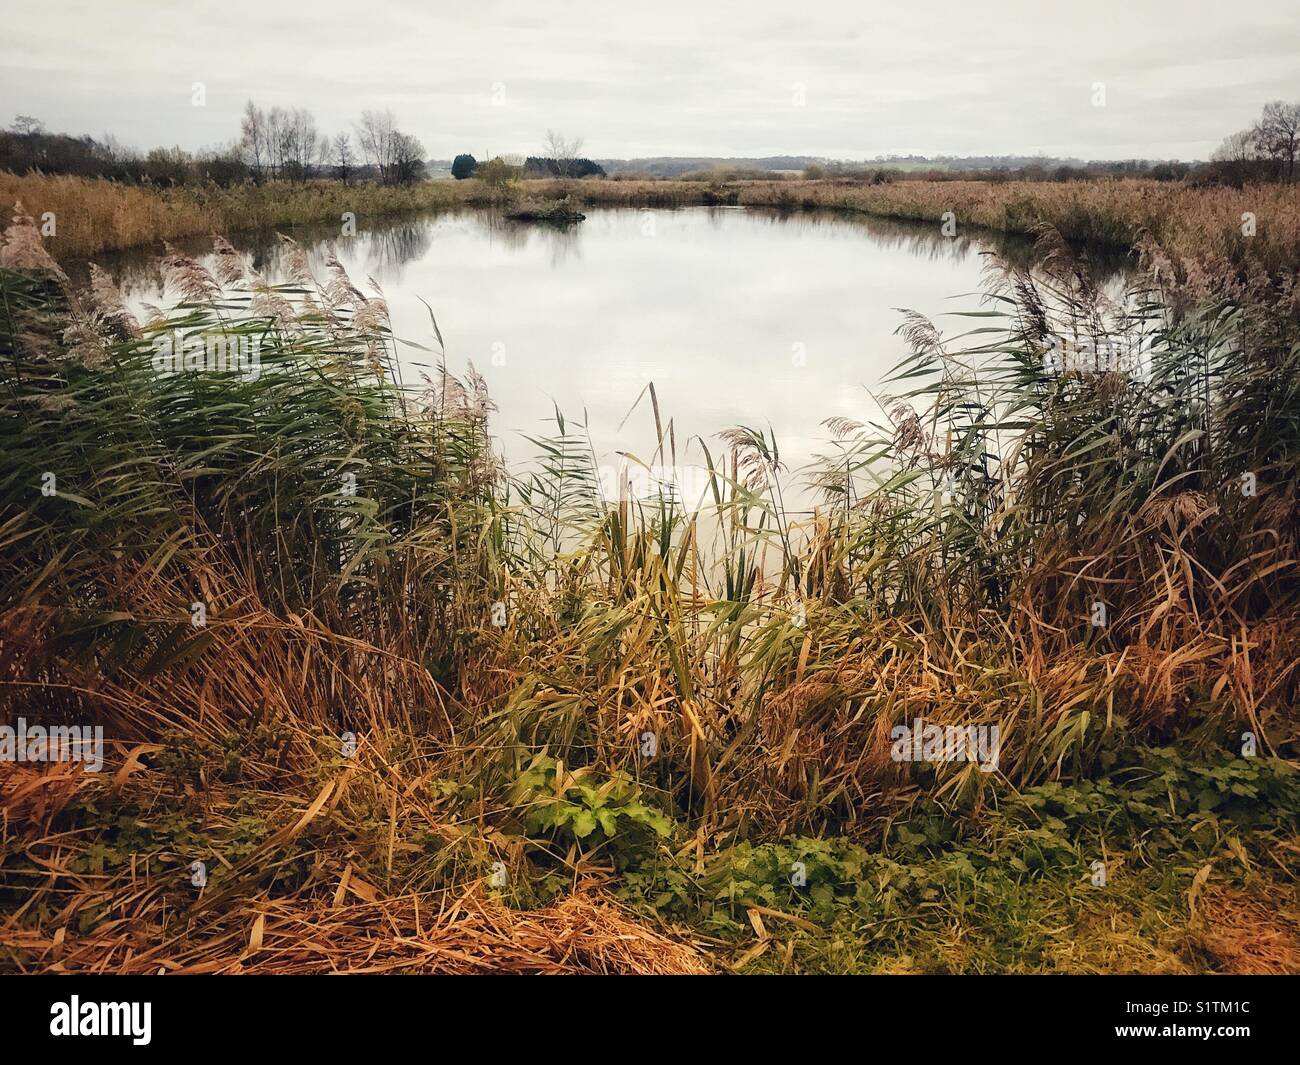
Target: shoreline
x=91, y=216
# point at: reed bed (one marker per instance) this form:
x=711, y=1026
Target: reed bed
x=418, y=693
x=333, y=922
x=1194, y=223
x=97, y=215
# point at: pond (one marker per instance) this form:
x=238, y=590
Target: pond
x=738, y=316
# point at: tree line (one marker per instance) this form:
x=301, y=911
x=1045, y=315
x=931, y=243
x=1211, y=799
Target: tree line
x=563, y=159
x=1265, y=151
x=26, y=146
x=286, y=145
x=465, y=165
x=276, y=144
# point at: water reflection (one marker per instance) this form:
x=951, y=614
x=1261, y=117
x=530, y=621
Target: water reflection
x=387, y=245
x=738, y=316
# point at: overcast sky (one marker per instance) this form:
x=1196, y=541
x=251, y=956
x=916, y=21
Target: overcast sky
x=846, y=79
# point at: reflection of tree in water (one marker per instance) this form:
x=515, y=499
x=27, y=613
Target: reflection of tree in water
x=383, y=248
x=390, y=246
x=561, y=243
x=494, y=226
x=386, y=246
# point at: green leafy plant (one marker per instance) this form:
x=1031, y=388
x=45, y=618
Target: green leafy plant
x=576, y=807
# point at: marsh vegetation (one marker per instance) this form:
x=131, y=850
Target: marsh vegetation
x=435, y=696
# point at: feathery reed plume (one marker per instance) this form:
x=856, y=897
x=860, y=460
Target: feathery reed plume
x=188, y=276
x=295, y=263
x=22, y=249
x=106, y=303
x=229, y=264
x=413, y=669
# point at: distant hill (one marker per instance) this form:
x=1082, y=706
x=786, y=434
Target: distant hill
x=675, y=166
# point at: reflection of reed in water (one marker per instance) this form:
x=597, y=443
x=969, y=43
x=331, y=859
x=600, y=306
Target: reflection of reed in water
x=925, y=240
x=384, y=248
x=387, y=245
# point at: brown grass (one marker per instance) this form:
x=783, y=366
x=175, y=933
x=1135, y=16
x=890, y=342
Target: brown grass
x=1203, y=223
x=95, y=215
x=1248, y=935
x=338, y=921
x=1189, y=222
x=323, y=862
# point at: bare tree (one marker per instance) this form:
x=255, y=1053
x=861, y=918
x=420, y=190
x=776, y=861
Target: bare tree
x=408, y=159
x=277, y=140
x=376, y=133
x=398, y=156
x=297, y=143
x=1278, y=136
x=1238, y=156
x=253, y=144
x=287, y=144
x=117, y=152
x=27, y=126
x=343, y=157
x=323, y=149
x=563, y=152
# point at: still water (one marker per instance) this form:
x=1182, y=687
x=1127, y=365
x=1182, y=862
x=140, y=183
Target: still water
x=738, y=316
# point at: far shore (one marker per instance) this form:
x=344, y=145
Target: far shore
x=1258, y=224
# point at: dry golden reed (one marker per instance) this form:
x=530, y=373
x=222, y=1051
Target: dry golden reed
x=1195, y=222
x=769, y=654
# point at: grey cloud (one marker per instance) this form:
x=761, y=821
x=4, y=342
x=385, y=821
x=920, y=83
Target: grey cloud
x=676, y=77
